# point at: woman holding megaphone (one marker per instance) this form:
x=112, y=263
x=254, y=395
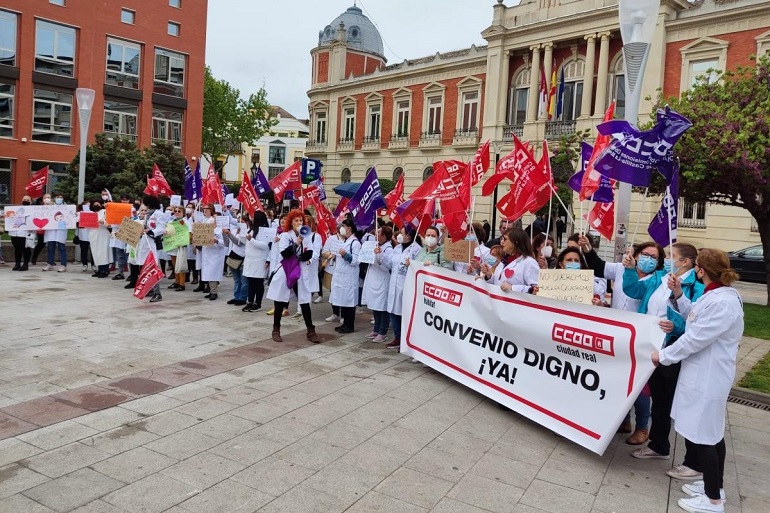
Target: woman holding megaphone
x=288, y=278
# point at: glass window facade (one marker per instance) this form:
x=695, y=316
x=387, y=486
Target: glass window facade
x=54, y=49
x=123, y=61
x=52, y=117
x=169, y=73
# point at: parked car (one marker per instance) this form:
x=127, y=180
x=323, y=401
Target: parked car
x=750, y=263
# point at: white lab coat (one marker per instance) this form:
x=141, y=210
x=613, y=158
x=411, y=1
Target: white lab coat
x=521, y=273
x=255, y=264
x=155, y=223
x=398, y=270
x=479, y=253
x=279, y=289
x=310, y=268
x=377, y=282
x=100, y=240
x=55, y=235
x=212, y=258
x=345, y=279
x=708, y=351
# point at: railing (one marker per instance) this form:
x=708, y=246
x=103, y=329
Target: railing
x=316, y=145
x=399, y=141
x=685, y=222
x=466, y=138
x=510, y=130
x=430, y=139
x=371, y=144
x=555, y=129
x=114, y=135
x=346, y=145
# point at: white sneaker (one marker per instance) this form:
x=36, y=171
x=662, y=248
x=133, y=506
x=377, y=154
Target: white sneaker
x=62, y=269
x=379, y=338
x=342, y=321
x=319, y=299
x=371, y=322
x=370, y=335
x=297, y=315
x=332, y=318
x=85, y=268
x=48, y=267
x=698, y=488
x=684, y=472
x=700, y=504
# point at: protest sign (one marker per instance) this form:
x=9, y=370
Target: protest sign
x=335, y=244
x=223, y=221
x=198, y=216
x=129, y=232
x=116, y=212
x=175, y=200
x=566, y=285
x=203, y=234
x=575, y=369
x=460, y=251
x=266, y=234
x=366, y=256
x=88, y=220
x=40, y=217
x=180, y=236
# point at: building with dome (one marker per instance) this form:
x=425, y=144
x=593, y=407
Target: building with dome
x=402, y=117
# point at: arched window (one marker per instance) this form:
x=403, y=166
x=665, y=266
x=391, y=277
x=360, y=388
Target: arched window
x=427, y=172
x=397, y=173
x=617, y=87
x=518, y=95
x=345, y=176
x=574, y=73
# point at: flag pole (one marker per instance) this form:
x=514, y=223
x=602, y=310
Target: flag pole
x=581, y=230
x=641, y=212
x=548, y=223
x=670, y=233
x=569, y=215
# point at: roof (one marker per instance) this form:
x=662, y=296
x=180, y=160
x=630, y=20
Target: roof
x=361, y=34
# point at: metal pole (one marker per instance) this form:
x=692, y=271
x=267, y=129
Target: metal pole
x=85, y=118
x=494, y=203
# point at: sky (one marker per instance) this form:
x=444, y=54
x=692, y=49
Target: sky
x=254, y=42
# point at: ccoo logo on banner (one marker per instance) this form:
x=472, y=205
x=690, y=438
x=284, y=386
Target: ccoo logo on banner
x=576, y=369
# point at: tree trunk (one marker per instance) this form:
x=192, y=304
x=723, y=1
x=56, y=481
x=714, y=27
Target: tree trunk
x=764, y=236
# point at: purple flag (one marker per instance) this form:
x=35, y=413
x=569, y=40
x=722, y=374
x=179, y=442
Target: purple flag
x=192, y=181
x=321, y=191
x=633, y=154
x=366, y=201
x=658, y=228
x=605, y=193
x=259, y=182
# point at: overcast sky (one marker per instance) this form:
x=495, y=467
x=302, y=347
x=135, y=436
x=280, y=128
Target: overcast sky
x=251, y=42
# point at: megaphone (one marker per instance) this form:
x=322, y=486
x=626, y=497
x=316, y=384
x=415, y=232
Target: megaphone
x=304, y=231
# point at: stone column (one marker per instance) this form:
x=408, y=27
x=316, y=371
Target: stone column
x=547, y=68
x=588, y=79
x=505, y=86
x=601, y=78
x=534, y=84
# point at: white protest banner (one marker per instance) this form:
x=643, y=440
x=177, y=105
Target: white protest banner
x=175, y=200
x=367, y=252
x=40, y=217
x=335, y=244
x=223, y=221
x=266, y=234
x=572, y=368
x=198, y=217
x=567, y=285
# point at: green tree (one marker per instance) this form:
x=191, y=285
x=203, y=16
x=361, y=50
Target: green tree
x=725, y=156
x=564, y=162
x=386, y=185
x=229, y=120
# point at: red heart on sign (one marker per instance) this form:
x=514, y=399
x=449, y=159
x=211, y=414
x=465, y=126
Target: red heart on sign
x=509, y=273
x=40, y=223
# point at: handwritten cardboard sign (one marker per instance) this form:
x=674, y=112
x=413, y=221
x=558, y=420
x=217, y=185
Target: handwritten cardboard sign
x=116, y=212
x=130, y=232
x=40, y=217
x=88, y=220
x=460, y=251
x=180, y=236
x=203, y=234
x=567, y=285
x=367, y=255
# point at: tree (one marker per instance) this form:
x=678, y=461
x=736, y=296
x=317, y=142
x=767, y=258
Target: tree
x=564, y=163
x=725, y=156
x=386, y=185
x=229, y=120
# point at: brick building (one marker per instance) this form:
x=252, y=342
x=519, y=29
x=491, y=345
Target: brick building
x=144, y=59
x=402, y=117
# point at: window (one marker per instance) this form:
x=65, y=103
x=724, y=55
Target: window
x=173, y=29
x=56, y=172
x=402, y=118
x=54, y=49
x=167, y=127
x=434, y=114
x=52, y=117
x=6, y=172
x=120, y=119
x=175, y=3
x=427, y=173
x=397, y=173
x=518, y=95
x=373, y=130
x=705, y=70
x=6, y=109
x=617, y=90
x=169, y=73
x=123, y=63
x=56, y=2
x=7, y=38
x=470, y=114
x=320, y=127
x=691, y=215
x=273, y=171
x=276, y=155
x=349, y=124
x=127, y=16
x=573, y=90
x=345, y=176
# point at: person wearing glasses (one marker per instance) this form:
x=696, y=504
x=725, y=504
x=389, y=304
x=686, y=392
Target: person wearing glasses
x=505, y=225
x=522, y=271
x=212, y=257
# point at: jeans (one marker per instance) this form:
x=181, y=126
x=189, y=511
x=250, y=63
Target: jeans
x=395, y=320
x=256, y=291
x=240, y=284
x=120, y=257
x=641, y=412
x=381, y=322
x=52, y=247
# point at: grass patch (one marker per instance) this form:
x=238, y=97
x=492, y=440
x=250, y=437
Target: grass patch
x=756, y=320
x=758, y=378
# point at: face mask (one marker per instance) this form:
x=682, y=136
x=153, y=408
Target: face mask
x=667, y=265
x=547, y=251
x=490, y=260
x=647, y=264
x=59, y=201
x=47, y=201
x=470, y=236
x=400, y=238
x=343, y=231
x=572, y=266
x=26, y=202
x=96, y=208
x=105, y=197
x=431, y=241
x=189, y=211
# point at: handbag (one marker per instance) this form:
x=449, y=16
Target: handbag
x=181, y=262
x=234, y=261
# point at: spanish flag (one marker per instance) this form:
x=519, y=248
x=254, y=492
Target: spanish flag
x=552, y=97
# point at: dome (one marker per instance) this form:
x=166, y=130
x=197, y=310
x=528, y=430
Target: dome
x=361, y=32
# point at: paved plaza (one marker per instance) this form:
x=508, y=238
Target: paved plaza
x=112, y=405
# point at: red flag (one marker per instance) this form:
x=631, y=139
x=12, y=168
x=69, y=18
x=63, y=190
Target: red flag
x=522, y=166
x=455, y=201
x=212, y=188
x=153, y=187
x=543, y=178
x=425, y=218
x=591, y=177
x=480, y=163
x=310, y=196
x=509, y=166
x=149, y=276
x=36, y=185
x=439, y=186
x=327, y=225
x=288, y=179
x=340, y=211
x=602, y=219
x=248, y=196
x=165, y=188
x=395, y=198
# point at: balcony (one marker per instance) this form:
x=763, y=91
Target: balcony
x=556, y=129
x=399, y=142
x=469, y=138
x=346, y=146
x=430, y=140
x=510, y=130
x=371, y=144
x=315, y=146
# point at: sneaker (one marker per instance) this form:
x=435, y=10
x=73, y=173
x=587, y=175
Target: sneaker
x=371, y=335
x=645, y=453
x=49, y=267
x=85, y=268
x=332, y=318
x=62, y=269
x=698, y=488
x=395, y=343
x=270, y=312
x=700, y=504
x=297, y=315
x=379, y=338
x=684, y=472
x=318, y=300
x=414, y=360
x=371, y=322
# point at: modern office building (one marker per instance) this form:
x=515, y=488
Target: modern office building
x=144, y=59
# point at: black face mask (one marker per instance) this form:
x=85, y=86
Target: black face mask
x=25, y=203
x=96, y=208
x=137, y=205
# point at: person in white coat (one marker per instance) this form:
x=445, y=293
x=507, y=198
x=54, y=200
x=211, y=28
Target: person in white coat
x=344, y=291
x=377, y=283
x=212, y=256
x=21, y=252
x=154, y=228
x=708, y=351
x=56, y=239
x=288, y=280
x=310, y=268
x=522, y=272
x=405, y=251
x=100, y=242
x=255, y=265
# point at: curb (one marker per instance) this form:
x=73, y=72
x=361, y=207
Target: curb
x=750, y=395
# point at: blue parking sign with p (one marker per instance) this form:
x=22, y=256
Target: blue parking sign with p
x=311, y=170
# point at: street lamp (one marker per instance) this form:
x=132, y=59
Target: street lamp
x=637, y=25
x=85, y=99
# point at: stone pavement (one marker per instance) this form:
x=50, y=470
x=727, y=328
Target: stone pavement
x=114, y=405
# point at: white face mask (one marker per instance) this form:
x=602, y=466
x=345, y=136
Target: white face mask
x=400, y=238
x=547, y=251
x=47, y=201
x=105, y=197
x=189, y=211
x=343, y=231
x=431, y=241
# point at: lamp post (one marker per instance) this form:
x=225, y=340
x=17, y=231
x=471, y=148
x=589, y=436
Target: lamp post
x=637, y=25
x=85, y=99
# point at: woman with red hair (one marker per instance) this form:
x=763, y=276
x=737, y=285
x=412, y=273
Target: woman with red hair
x=288, y=279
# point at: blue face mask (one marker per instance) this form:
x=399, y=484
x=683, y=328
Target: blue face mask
x=490, y=260
x=574, y=266
x=647, y=264
x=668, y=266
